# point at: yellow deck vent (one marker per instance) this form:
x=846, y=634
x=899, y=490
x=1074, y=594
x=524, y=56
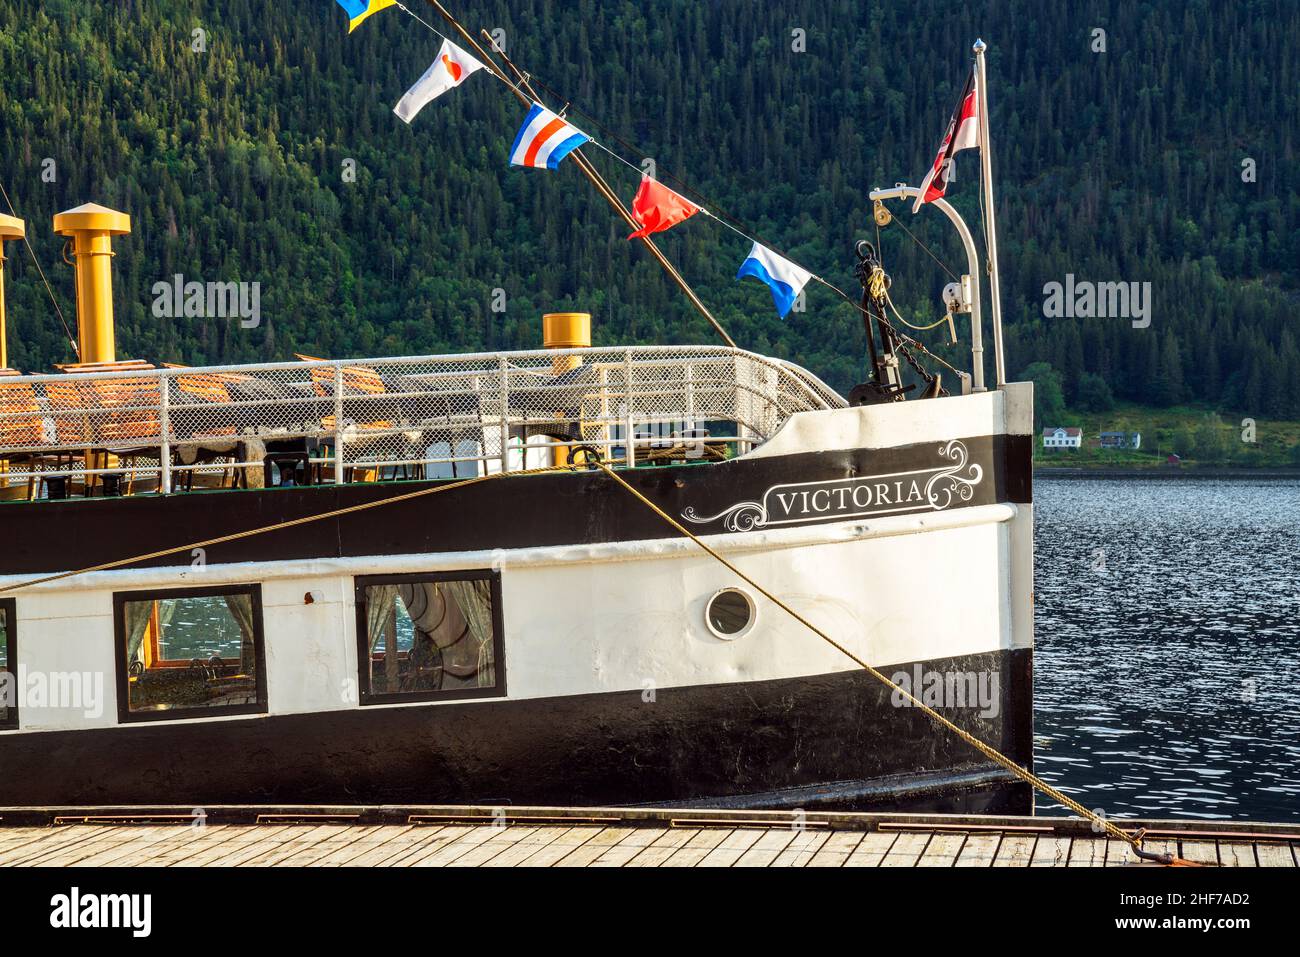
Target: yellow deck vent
x=566, y=330
x=92, y=228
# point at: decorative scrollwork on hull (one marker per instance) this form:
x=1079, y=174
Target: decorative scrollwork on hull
x=948, y=484
x=743, y=517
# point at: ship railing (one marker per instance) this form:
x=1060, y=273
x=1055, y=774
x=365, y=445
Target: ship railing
x=417, y=417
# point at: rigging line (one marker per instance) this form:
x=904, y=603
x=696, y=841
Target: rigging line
x=903, y=337
x=491, y=67
x=729, y=221
x=899, y=317
x=76, y=350
x=584, y=164
x=825, y=282
x=598, y=181
x=428, y=26
x=942, y=265
x=993, y=754
x=632, y=147
x=525, y=80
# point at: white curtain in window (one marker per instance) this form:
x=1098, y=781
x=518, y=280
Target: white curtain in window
x=135, y=615
x=241, y=609
x=474, y=598
x=380, y=600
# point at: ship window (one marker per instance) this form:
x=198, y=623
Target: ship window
x=190, y=654
x=429, y=637
x=729, y=613
x=8, y=664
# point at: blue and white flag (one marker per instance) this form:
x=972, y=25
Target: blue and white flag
x=545, y=139
x=784, y=278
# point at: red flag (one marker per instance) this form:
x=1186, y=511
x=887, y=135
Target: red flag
x=963, y=133
x=657, y=208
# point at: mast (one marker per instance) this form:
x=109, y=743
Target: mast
x=990, y=216
x=588, y=170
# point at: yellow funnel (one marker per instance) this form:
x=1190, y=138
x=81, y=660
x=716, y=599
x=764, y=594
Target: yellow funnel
x=92, y=228
x=566, y=330
x=10, y=228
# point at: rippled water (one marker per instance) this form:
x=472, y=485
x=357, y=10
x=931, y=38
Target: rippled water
x=1167, y=674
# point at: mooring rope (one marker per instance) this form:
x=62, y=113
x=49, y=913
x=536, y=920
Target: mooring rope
x=993, y=754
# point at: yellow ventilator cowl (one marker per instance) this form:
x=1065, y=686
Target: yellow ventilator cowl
x=92, y=227
x=10, y=228
x=566, y=330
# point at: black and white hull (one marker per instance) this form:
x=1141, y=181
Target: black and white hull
x=903, y=530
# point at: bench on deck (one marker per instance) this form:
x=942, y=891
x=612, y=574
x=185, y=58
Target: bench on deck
x=103, y=411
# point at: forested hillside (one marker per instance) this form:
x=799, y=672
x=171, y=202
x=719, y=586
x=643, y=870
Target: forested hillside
x=1125, y=166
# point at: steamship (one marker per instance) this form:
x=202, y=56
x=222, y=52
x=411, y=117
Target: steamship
x=400, y=580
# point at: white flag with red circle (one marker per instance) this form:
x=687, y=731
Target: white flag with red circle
x=452, y=68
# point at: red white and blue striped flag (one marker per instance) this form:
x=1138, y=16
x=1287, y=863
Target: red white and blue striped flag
x=545, y=139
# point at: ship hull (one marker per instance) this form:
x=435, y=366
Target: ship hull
x=904, y=532
x=828, y=741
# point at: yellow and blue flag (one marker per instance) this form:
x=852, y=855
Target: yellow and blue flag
x=358, y=10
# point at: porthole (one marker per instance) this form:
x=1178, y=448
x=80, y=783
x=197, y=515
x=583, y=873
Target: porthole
x=730, y=613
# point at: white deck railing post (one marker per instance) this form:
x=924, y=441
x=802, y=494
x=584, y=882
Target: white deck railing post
x=505, y=415
x=164, y=430
x=629, y=437
x=338, y=425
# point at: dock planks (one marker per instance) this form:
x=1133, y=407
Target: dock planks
x=561, y=837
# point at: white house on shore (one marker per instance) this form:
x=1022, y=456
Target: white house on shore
x=1062, y=438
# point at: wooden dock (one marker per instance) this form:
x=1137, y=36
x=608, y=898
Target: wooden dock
x=586, y=837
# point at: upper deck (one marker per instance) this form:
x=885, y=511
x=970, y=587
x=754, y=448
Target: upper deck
x=143, y=430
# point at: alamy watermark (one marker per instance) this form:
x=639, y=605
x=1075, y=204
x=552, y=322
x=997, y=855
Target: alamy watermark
x=1084, y=299
x=30, y=690
x=77, y=909
x=179, y=299
x=949, y=690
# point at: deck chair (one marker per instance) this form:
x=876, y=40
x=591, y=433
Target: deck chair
x=101, y=412
x=198, y=410
x=362, y=388
x=21, y=420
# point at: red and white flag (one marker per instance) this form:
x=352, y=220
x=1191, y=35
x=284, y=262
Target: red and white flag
x=452, y=68
x=963, y=134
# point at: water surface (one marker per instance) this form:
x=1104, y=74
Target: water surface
x=1167, y=674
